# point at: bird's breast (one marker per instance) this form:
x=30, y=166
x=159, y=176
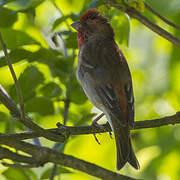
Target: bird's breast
x=87, y=83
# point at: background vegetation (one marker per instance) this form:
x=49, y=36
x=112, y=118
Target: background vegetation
x=43, y=49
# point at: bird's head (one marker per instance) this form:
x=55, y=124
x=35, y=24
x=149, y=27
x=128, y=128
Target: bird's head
x=92, y=25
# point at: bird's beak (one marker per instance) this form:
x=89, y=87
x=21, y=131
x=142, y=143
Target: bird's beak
x=76, y=25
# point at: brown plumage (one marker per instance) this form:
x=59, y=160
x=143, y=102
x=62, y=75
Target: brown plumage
x=105, y=77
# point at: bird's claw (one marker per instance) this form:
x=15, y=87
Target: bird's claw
x=96, y=139
x=94, y=123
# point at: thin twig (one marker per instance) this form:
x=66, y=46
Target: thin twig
x=67, y=98
x=53, y=172
x=18, y=89
x=161, y=17
x=8, y=102
x=66, y=106
x=25, y=120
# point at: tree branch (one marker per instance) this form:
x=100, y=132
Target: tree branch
x=7, y=154
x=157, y=29
x=20, y=165
x=43, y=155
x=80, y=130
x=161, y=17
x=132, y=12
x=77, y=130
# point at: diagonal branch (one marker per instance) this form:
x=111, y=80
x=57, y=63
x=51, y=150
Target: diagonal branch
x=43, y=155
x=7, y=101
x=7, y=154
x=132, y=12
x=157, y=29
x=18, y=89
x=161, y=17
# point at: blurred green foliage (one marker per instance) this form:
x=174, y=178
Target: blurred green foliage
x=43, y=48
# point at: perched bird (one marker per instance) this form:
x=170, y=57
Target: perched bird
x=106, y=80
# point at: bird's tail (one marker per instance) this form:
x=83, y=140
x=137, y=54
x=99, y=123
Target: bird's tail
x=125, y=152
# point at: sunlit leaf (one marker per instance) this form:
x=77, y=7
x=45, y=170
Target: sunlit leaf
x=21, y=5
x=121, y=26
x=59, y=21
x=14, y=38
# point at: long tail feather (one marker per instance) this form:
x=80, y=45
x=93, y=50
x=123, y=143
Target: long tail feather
x=125, y=151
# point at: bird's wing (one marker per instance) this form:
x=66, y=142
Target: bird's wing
x=112, y=81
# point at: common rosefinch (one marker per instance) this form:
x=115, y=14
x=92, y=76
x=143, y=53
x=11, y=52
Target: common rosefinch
x=105, y=77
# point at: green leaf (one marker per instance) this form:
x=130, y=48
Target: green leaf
x=31, y=174
x=71, y=41
x=138, y=4
x=77, y=94
x=7, y=17
x=28, y=80
x=62, y=68
x=121, y=26
x=23, y=5
x=15, y=38
x=3, y=116
x=59, y=21
x=166, y=8
x=51, y=90
x=16, y=55
x=41, y=105
x=84, y=119
x=16, y=174
x=45, y=55
x=59, y=170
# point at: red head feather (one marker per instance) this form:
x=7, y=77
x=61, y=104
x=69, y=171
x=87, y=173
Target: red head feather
x=89, y=13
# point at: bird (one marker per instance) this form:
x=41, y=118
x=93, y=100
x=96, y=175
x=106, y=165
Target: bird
x=104, y=75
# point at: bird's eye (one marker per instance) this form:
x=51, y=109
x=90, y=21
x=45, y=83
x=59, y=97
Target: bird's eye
x=84, y=23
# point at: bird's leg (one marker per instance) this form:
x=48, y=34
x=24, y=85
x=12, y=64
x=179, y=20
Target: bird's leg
x=94, y=123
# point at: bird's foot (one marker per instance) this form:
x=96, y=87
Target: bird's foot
x=94, y=123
